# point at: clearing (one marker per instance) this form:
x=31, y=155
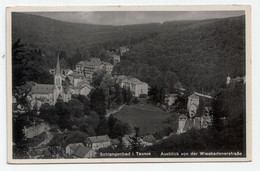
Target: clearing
x=148, y=118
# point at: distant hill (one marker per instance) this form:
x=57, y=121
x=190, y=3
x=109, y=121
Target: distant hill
x=200, y=54
x=56, y=35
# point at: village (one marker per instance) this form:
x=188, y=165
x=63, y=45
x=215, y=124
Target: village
x=197, y=113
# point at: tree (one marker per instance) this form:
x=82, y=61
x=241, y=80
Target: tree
x=98, y=102
x=117, y=128
x=93, y=119
x=21, y=94
x=66, y=82
x=127, y=95
x=63, y=115
x=97, y=77
x=49, y=114
x=135, y=145
x=102, y=128
x=76, y=108
x=107, y=85
x=20, y=147
x=28, y=65
x=118, y=98
x=76, y=137
x=85, y=101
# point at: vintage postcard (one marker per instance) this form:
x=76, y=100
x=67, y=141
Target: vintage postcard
x=99, y=84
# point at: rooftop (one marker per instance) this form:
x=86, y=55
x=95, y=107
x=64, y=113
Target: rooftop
x=92, y=62
x=81, y=151
x=115, y=141
x=149, y=138
x=203, y=95
x=99, y=139
x=42, y=88
x=107, y=63
x=194, y=123
x=75, y=146
x=129, y=79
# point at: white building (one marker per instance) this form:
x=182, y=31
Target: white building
x=136, y=86
x=97, y=142
x=194, y=102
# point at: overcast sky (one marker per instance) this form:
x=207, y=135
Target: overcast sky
x=135, y=17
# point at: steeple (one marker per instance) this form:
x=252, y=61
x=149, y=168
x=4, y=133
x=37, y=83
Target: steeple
x=57, y=76
x=58, y=71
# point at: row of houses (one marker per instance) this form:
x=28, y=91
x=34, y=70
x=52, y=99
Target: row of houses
x=186, y=123
x=77, y=82
x=87, y=68
x=145, y=141
x=203, y=118
x=116, y=53
x=193, y=119
x=90, y=147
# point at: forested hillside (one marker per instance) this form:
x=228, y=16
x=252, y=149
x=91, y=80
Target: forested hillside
x=199, y=54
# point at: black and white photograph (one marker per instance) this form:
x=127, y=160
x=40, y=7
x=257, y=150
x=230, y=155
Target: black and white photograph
x=128, y=84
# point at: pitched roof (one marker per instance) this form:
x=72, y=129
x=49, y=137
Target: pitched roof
x=94, y=62
x=188, y=125
x=75, y=146
x=203, y=95
x=149, y=138
x=115, y=141
x=171, y=134
x=99, y=139
x=132, y=80
x=120, y=77
x=107, y=63
x=42, y=88
x=82, y=151
x=76, y=75
x=197, y=123
x=83, y=83
x=173, y=95
x=194, y=123
x=194, y=96
x=182, y=116
x=81, y=63
x=114, y=55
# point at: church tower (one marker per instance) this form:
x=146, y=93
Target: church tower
x=57, y=91
x=58, y=77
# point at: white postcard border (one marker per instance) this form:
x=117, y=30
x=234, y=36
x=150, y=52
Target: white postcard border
x=246, y=8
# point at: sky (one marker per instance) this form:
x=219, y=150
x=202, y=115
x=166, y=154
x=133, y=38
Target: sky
x=135, y=17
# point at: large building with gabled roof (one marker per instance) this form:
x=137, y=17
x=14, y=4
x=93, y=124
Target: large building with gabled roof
x=136, y=86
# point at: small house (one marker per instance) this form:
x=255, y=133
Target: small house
x=115, y=143
x=84, y=152
x=170, y=99
x=181, y=124
x=195, y=100
x=71, y=148
x=147, y=140
x=126, y=141
x=97, y=142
